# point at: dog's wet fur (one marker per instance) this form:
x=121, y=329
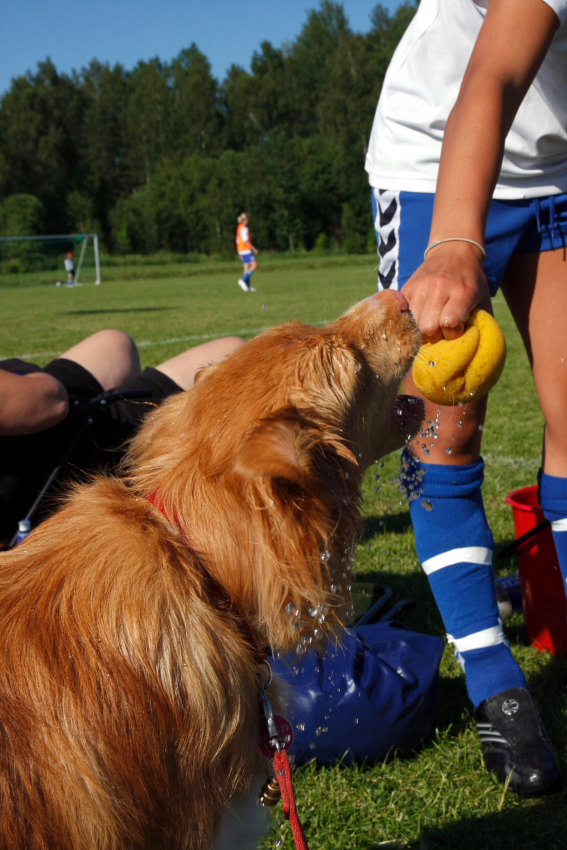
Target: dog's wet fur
x=130, y=621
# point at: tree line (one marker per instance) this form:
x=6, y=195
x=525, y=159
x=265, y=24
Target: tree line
x=163, y=157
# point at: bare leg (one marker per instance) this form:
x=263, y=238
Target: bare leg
x=456, y=443
x=536, y=291
x=110, y=356
x=183, y=368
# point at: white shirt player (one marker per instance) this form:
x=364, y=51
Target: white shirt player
x=421, y=87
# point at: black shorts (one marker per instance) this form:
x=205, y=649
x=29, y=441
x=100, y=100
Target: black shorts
x=27, y=462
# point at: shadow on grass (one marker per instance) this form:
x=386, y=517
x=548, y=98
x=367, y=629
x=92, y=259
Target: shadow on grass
x=532, y=825
x=118, y=310
x=386, y=523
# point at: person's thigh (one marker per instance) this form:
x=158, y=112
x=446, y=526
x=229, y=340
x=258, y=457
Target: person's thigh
x=535, y=288
x=110, y=356
x=183, y=368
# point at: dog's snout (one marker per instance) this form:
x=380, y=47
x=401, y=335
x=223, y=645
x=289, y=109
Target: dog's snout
x=393, y=294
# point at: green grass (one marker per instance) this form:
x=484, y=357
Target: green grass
x=441, y=798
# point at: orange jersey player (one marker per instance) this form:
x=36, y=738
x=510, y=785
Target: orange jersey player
x=246, y=251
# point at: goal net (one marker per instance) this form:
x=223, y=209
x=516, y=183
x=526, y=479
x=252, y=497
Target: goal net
x=21, y=254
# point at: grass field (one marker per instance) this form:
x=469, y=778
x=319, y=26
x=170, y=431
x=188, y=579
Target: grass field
x=440, y=798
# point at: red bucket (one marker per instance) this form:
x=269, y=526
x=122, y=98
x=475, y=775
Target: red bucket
x=543, y=590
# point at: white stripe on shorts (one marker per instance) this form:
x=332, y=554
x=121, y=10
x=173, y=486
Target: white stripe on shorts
x=469, y=555
x=559, y=524
x=387, y=224
x=478, y=640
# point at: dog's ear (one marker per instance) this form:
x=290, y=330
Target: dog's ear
x=284, y=448
x=278, y=448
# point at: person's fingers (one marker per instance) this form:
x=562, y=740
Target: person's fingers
x=453, y=333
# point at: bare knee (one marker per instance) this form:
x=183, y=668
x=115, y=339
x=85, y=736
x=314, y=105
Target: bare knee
x=450, y=435
x=230, y=344
x=183, y=368
x=109, y=355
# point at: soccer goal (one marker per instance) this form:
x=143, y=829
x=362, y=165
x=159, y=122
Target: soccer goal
x=34, y=253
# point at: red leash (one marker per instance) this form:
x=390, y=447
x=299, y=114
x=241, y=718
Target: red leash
x=281, y=760
x=285, y=779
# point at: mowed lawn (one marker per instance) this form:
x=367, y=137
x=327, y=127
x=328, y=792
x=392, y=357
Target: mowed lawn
x=440, y=798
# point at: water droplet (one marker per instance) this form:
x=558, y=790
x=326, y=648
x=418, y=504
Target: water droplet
x=449, y=451
x=357, y=367
x=312, y=745
x=325, y=556
x=432, y=363
x=301, y=726
x=460, y=424
x=320, y=730
x=289, y=608
x=427, y=505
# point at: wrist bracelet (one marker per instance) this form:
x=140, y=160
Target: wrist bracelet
x=454, y=239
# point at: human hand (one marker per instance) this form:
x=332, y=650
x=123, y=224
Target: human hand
x=444, y=290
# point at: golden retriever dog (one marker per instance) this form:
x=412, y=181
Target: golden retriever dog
x=133, y=621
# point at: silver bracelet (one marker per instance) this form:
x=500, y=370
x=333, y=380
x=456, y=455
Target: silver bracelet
x=454, y=239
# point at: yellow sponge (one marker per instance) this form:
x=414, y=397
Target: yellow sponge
x=464, y=369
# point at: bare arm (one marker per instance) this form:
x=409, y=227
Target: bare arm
x=30, y=403
x=509, y=50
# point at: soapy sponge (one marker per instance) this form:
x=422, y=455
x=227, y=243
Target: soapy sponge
x=464, y=369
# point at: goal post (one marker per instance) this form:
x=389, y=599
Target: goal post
x=68, y=240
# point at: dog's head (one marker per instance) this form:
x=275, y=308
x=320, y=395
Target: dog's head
x=261, y=463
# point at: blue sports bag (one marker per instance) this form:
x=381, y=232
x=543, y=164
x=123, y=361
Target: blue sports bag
x=374, y=693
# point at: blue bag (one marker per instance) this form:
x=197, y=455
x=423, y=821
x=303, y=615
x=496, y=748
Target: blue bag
x=374, y=693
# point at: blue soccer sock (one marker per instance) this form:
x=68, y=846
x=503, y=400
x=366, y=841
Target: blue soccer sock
x=553, y=499
x=455, y=547
x=247, y=277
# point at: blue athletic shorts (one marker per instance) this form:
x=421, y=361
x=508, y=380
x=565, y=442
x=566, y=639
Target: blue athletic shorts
x=403, y=221
x=248, y=258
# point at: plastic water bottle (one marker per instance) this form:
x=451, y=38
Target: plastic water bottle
x=24, y=528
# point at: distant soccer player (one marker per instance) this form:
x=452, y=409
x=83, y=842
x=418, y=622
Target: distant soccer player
x=70, y=268
x=247, y=251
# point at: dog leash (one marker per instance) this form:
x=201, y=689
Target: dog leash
x=278, y=736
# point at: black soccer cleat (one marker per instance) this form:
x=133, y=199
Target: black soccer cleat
x=516, y=745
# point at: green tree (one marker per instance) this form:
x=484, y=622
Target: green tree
x=148, y=126
x=163, y=157
x=195, y=116
x=21, y=215
x=105, y=140
x=39, y=117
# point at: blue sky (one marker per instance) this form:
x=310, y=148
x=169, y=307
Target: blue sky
x=72, y=32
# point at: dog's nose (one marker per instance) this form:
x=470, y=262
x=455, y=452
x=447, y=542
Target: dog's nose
x=397, y=296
